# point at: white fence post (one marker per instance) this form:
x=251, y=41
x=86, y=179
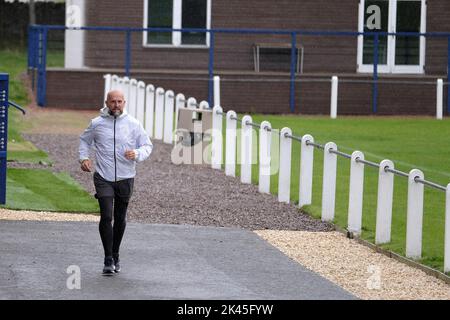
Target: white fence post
x=192, y=103
x=356, y=191
x=126, y=91
x=132, y=97
x=334, y=97
x=230, y=146
x=246, y=149
x=265, y=139
x=415, y=215
x=217, y=91
x=169, y=104
x=120, y=86
x=329, y=182
x=439, y=99
x=108, y=85
x=140, y=103
x=114, y=82
x=284, y=177
x=159, y=113
x=149, y=109
x=217, y=139
x=384, y=203
x=205, y=152
x=306, y=171
x=204, y=105
x=447, y=231
x=180, y=101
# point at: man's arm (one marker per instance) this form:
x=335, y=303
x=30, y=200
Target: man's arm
x=144, y=145
x=86, y=140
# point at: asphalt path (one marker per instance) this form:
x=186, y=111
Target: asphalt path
x=64, y=260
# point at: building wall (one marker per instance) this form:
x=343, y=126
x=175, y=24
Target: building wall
x=259, y=94
x=436, y=58
x=235, y=52
x=185, y=70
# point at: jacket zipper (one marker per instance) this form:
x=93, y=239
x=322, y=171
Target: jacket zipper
x=115, y=160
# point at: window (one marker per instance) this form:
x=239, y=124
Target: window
x=177, y=14
x=396, y=54
x=159, y=16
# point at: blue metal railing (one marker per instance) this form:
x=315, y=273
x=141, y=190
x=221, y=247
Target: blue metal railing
x=15, y=105
x=4, y=83
x=38, y=47
x=4, y=104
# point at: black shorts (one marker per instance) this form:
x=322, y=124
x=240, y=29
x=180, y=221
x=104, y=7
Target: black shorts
x=122, y=189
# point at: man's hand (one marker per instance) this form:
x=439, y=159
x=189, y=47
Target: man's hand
x=130, y=154
x=86, y=165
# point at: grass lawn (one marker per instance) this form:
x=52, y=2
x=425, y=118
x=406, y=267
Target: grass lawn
x=35, y=189
x=410, y=142
x=20, y=149
x=43, y=190
x=14, y=62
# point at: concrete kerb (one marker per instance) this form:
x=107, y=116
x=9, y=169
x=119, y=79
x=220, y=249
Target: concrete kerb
x=428, y=270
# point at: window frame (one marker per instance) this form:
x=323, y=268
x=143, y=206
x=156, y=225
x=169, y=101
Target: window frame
x=176, y=24
x=391, y=67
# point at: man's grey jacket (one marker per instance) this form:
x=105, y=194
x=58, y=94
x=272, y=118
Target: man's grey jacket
x=112, y=136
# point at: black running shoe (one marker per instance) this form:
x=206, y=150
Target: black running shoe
x=116, y=263
x=108, y=269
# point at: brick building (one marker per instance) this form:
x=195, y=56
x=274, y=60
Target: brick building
x=255, y=68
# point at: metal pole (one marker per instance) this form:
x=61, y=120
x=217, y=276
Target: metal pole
x=211, y=69
x=293, y=61
x=42, y=65
x=128, y=53
x=216, y=91
x=439, y=99
x=334, y=97
x=35, y=57
x=39, y=36
x=375, y=75
x=3, y=134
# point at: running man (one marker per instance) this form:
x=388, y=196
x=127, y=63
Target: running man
x=120, y=142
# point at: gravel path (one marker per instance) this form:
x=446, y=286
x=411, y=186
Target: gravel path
x=24, y=215
x=356, y=268
x=24, y=165
x=186, y=194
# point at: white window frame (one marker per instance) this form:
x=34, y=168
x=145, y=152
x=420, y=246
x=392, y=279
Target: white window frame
x=176, y=24
x=391, y=67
